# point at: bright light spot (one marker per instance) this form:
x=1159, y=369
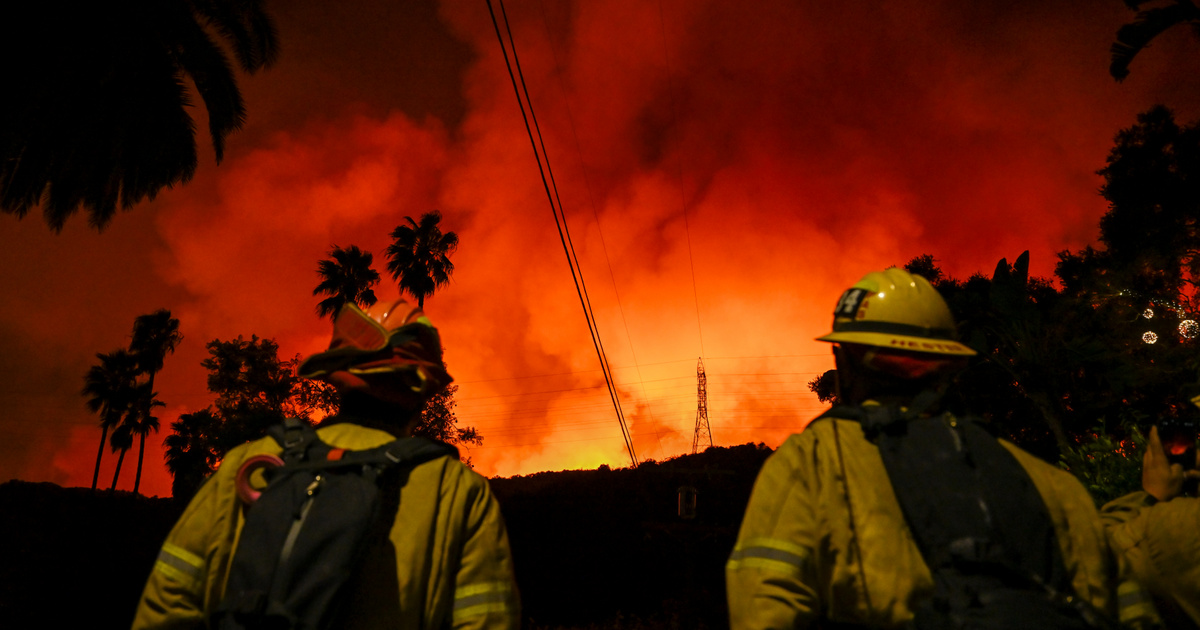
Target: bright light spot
x=881, y=294
x=1188, y=328
x=1148, y=313
x=1150, y=337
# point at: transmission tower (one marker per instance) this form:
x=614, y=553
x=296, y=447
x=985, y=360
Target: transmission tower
x=703, y=433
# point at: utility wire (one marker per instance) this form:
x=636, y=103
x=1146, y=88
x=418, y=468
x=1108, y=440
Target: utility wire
x=682, y=190
x=587, y=185
x=563, y=234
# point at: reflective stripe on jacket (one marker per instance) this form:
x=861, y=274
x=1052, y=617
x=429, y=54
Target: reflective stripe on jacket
x=451, y=566
x=823, y=537
x=1161, y=544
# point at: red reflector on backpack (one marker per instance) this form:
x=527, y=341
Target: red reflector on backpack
x=335, y=454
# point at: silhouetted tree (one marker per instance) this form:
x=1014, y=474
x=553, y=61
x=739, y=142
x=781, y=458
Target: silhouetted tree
x=95, y=112
x=825, y=387
x=1040, y=372
x=419, y=256
x=141, y=421
x=1148, y=24
x=346, y=278
x=154, y=335
x=1152, y=184
x=251, y=385
x=256, y=389
x=121, y=440
x=109, y=386
x=438, y=421
x=191, y=452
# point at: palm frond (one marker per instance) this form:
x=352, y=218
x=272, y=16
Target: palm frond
x=1133, y=37
x=347, y=277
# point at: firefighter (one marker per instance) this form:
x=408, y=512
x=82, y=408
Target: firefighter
x=1155, y=530
x=452, y=567
x=825, y=541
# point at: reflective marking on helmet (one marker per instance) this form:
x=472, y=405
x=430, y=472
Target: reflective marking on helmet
x=895, y=328
x=479, y=599
x=848, y=305
x=179, y=564
x=926, y=346
x=770, y=554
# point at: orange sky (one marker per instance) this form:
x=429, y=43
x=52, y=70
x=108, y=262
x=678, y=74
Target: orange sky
x=808, y=142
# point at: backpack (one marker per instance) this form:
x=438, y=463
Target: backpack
x=307, y=533
x=978, y=520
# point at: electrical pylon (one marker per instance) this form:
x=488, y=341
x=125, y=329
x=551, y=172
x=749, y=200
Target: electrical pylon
x=703, y=432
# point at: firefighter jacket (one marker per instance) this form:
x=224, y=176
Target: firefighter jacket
x=824, y=538
x=1160, y=543
x=451, y=568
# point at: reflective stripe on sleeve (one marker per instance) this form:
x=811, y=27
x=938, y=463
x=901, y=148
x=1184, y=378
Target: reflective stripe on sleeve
x=1133, y=603
x=179, y=564
x=770, y=554
x=473, y=600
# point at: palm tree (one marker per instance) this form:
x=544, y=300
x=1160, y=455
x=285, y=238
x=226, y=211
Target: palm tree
x=347, y=278
x=1148, y=24
x=191, y=453
x=96, y=114
x=121, y=440
x=141, y=422
x=154, y=335
x=109, y=385
x=419, y=256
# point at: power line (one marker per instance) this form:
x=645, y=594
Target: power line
x=587, y=185
x=682, y=190
x=563, y=234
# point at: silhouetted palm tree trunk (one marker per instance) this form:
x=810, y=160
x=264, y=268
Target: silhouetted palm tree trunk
x=117, y=473
x=109, y=388
x=99, y=454
x=154, y=335
x=137, y=479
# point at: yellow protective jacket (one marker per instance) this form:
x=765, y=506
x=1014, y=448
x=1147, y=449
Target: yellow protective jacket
x=452, y=566
x=824, y=496
x=1161, y=542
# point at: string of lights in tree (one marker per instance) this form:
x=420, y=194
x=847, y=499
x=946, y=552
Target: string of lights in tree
x=1188, y=328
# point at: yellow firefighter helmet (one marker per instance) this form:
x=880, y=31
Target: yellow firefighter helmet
x=898, y=310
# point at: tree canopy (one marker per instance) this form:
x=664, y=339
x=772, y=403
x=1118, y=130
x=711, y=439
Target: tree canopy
x=95, y=112
x=419, y=256
x=347, y=278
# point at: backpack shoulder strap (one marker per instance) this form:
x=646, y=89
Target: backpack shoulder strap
x=295, y=436
x=408, y=451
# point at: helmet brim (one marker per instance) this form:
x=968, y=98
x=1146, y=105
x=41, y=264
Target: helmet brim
x=901, y=342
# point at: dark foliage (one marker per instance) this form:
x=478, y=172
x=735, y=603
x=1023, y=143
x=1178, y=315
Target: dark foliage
x=96, y=97
x=347, y=278
x=1148, y=24
x=254, y=390
x=109, y=388
x=191, y=451
x=154, y=336
x=825, y=387
x=419, y=256
x=439, y=422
